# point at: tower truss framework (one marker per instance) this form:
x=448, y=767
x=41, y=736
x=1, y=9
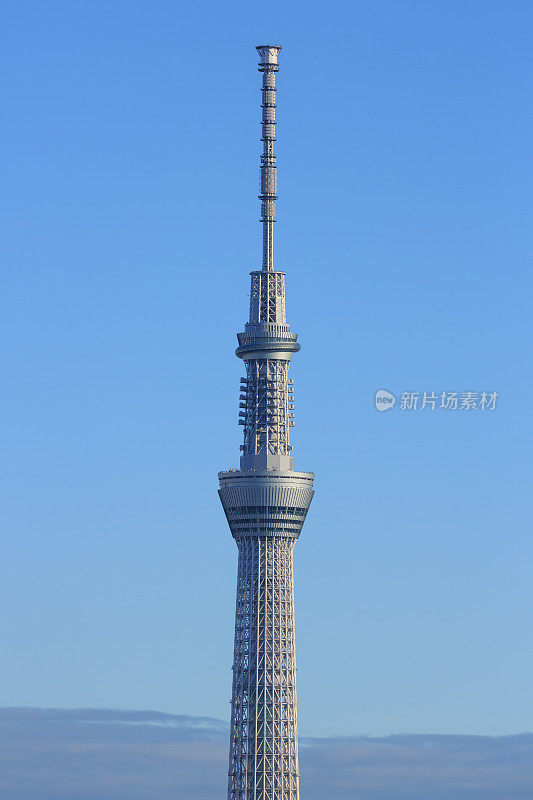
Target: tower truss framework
x=266, y=502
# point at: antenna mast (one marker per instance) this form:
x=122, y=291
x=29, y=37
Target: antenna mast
x=268, y=65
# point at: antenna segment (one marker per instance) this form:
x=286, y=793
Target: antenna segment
x=268, y=65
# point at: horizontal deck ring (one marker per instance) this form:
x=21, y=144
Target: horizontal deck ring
x=280, y=347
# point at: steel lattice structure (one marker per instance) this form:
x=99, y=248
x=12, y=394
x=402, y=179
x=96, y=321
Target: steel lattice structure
x=265, y=502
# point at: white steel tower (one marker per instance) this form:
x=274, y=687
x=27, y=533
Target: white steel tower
x=265, y=502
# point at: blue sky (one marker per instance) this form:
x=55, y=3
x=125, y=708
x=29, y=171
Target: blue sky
x=130, y=224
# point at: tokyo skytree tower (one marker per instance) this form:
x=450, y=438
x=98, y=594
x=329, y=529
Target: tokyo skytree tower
x=265, y=502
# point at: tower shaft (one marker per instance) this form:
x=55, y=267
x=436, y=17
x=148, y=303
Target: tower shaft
x=265, y=502
x=264, y=745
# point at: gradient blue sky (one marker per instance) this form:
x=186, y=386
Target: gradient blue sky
x=129, y=226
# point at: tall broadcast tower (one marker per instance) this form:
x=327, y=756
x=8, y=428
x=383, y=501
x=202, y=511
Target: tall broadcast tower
x=265, y=502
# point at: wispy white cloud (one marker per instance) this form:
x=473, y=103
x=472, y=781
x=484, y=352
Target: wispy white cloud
x=88, y=754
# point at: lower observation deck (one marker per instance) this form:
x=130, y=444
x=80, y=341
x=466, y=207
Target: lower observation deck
x=266, y=503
